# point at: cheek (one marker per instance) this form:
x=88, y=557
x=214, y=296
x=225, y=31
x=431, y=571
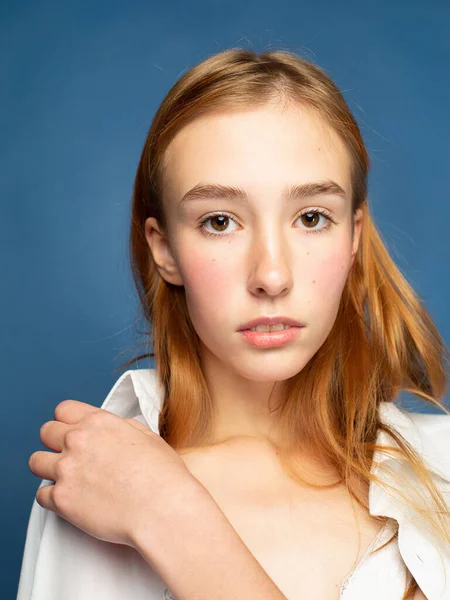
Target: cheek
x=209, y=282
x=332, y=273
x=326, y=281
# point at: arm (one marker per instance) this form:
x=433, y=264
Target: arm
x=199, y=555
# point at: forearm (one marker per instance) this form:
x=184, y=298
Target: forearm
x=199, y=555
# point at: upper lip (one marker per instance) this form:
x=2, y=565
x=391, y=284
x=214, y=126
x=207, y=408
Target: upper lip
x=270, y=321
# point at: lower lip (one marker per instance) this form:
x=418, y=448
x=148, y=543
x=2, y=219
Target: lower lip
x=270, y=339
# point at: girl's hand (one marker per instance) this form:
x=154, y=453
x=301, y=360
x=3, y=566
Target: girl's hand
x=111, y=474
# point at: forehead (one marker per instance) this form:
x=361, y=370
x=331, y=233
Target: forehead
x=261, y=150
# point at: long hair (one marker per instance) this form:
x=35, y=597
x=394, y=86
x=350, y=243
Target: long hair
x=383, y=339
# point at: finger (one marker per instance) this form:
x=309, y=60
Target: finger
x=43, y=464
x=72, y=411
x=44, y=497
x=52, y=434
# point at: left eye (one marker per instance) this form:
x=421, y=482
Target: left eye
x=312, y=217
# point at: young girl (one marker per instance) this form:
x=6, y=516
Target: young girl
x=282, y=332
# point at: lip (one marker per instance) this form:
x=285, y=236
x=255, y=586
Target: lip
x=274, y=339
x=270, y=320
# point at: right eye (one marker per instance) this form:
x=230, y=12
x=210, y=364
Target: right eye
x=221, y=221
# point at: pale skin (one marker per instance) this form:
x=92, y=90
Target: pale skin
x=272, y=264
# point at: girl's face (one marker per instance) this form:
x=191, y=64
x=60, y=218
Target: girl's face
x=265, y=254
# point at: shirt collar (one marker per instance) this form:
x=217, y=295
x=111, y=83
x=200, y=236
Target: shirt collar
x=424, y=552
x=139, y=392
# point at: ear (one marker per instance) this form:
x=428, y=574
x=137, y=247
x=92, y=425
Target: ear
x=161, y=252
x=357, y=229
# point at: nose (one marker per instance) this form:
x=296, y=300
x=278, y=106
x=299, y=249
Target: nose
x=270, y=272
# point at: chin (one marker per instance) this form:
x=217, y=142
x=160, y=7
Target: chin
x=271, y=370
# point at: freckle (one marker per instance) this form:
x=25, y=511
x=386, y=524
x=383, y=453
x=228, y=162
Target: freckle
x=314, y=281
x=319, y=148
x=214, y=260
x=307, y=253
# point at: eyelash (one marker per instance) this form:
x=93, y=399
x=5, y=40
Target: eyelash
x=319, y=211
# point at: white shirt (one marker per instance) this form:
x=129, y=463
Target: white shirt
x=62, y=562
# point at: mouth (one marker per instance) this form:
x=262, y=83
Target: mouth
x=270, y=328
x=264, y=336
x=269, y=324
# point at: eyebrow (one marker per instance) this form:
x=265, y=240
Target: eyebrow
x=208, y=191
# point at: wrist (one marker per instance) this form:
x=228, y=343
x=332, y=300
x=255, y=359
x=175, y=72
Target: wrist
x=197, y=553
x=162, y=524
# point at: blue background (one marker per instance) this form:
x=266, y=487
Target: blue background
x=80, y=84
